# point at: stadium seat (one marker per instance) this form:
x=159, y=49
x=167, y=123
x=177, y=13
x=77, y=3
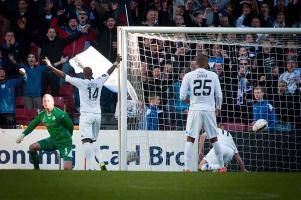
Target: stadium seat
x=22, y=116
x=66, y=91
x=240, y=127
x=59, y=102
x=19, y=102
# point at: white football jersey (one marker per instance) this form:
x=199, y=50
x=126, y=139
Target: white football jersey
x=203, y=88
x=89, y=92
x=225, y=138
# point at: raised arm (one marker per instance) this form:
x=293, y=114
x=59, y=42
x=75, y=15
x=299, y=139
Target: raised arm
x=57, y=72
x=115, y=64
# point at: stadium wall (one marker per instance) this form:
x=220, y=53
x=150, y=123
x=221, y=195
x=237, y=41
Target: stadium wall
x=165, y=150
x=157, y=151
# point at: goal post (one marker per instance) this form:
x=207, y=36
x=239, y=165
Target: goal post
x=128, y=48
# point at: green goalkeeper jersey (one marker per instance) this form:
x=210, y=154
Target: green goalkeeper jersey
x=58, y=124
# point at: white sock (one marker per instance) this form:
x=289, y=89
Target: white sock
x=218, y=152
x=188, y=155
x=96, y=150
x=89, y=155
x=209, y=167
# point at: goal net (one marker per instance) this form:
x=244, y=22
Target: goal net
x=260, y=79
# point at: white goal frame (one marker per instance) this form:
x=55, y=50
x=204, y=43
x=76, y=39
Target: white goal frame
x=122, y=70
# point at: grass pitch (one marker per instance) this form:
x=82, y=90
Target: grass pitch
x=69, y=185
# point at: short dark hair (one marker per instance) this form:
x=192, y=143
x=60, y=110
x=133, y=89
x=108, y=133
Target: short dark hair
x=202, y=60
x=258, y=87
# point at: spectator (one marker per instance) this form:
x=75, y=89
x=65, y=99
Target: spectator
x=225, y=21
x=199, y=19
x=273, y=83
x=25, y=13
x=46, y=16
x=164, y=10
x=198, y=49
x=135, y=18
x=266, y=60
x=53, y=47
x=217, y=55
x=292, y=76
x=291, y=50
x=32, y=88
x=106, y=41
x=243, y=53
x=152, y=111
x=245, y=19
x=218, y=68
x=151, y=18
x=8, y=98
x=280, y=21
x=255, y=22
x=266, y=19
x=73, y=8
x=262, y=109
x=241, y=88
x=181, y=108
x=24, y=9
x=182, y=56
x=284, y=107
x=79, y=45
x=179, y=21
x=167, y=72
x=10, y=47
x=179, y=10
x=160, y=87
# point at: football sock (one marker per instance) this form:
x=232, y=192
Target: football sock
x=35, y=159
x=97, y=152
x=89, y=155
x=218, y=152
x=209, y=167
x=188, y=155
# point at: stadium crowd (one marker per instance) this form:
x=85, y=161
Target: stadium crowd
x=60, y=29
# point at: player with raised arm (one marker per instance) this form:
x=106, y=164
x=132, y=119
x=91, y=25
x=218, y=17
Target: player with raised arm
x=60, y=128
x=90, y=112
x=203, y=88
x=229, y=149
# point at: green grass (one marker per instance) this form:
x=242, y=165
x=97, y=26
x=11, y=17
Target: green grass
x=69, y=185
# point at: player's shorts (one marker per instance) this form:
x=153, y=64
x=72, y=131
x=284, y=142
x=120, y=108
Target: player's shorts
x=89, y=125
x=197, y=120
x=65, y=148
x=228, y=154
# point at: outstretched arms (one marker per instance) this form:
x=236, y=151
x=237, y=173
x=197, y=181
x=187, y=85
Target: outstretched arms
x=111, y=69
x=57, y=72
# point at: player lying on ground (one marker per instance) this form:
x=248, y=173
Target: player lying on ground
x=229, y=149
x=60, y=128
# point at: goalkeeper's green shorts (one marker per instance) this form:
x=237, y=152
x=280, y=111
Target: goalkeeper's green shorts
x=65, y=148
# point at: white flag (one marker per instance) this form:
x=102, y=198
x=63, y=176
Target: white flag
x=99, y=65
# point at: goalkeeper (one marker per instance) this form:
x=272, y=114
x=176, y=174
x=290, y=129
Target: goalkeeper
x=209, y=162
x=60, y=128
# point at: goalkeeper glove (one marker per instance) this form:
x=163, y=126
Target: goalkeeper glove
x=20, y=138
